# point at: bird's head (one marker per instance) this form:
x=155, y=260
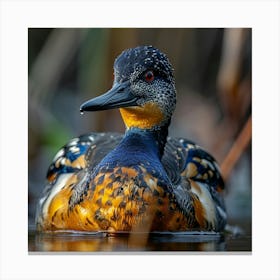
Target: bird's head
x=143, y=89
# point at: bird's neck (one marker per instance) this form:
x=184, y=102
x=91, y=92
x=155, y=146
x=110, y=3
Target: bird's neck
x=153, y=139
x=144, y=117
x=146, y=123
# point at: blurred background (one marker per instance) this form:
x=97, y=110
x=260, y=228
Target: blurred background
x=213, y=79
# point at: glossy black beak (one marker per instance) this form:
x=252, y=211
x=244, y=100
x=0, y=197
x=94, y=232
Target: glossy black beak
x=119, y=96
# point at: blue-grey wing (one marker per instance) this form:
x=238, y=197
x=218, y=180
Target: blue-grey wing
x=196, y=180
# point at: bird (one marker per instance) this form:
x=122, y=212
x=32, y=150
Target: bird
x=139, y=181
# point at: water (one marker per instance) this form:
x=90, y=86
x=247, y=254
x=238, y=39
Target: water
x=72, y=241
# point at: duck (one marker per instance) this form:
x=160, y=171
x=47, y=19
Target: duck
x=139, y=181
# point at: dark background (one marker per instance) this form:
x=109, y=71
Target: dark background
x=213, y=79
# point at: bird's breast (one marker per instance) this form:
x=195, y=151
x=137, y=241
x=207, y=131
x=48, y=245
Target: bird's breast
x=121, y=199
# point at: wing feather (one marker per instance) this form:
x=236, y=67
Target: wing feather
x=197, y=182
x=182, y=158
x=81, y=153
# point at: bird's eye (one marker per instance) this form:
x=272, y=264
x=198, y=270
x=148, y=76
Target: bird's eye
x=149, y=76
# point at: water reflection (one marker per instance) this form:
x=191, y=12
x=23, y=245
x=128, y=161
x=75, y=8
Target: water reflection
x=120, y=242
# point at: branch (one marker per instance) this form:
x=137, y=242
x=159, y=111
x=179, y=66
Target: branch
x=237, y=149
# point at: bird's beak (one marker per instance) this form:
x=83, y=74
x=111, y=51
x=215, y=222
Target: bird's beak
x=119, y=96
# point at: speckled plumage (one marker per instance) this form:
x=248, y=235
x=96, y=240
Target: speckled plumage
x=140, y=181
